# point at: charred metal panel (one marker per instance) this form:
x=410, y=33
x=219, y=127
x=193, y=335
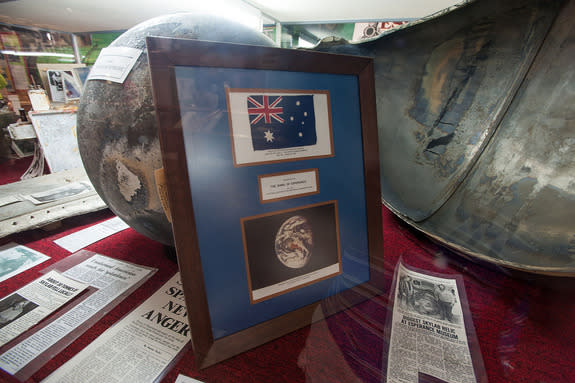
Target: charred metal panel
x=477, y=130
x=442, y=88
x=517, y=207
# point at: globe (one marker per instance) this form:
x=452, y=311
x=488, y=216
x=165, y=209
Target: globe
x=294, y=241
x=117, y=131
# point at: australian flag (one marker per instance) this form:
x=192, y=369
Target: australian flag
x=279, y=122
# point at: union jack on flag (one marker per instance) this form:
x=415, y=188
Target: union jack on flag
x=262, y=108
x=281, y=121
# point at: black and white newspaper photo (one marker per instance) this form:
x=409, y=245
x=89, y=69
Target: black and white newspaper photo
x=429, y=335
x=139, y=347
x=66, y=191
x=110, y=278
x=15, y=259
x=29, y=305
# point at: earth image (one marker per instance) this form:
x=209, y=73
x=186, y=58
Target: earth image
x=294, y=241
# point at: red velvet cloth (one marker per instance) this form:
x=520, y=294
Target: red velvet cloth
x=524, y=327
x=11, y=170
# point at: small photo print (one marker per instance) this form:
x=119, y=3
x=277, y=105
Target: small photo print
x=72, y=90
x=62, y=192
x=13, y=307
x=290, y=249
x=56, y=85
x=15, y=259
x=435, y=300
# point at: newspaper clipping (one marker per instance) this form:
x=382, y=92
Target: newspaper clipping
x=139, y=347
x=32, y=303
x=428, y=332
x=15, y=259
x=110, y=277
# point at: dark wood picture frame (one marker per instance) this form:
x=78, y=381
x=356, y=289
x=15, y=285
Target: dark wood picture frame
x=333, y=256
x=166, y=54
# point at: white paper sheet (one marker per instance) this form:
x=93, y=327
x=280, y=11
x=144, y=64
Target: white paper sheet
x=114, y=64
x=83, y=238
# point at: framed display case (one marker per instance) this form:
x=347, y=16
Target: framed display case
x=272, y=168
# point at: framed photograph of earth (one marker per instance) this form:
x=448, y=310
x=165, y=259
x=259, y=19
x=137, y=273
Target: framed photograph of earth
x=291, y=249
x=276, y=221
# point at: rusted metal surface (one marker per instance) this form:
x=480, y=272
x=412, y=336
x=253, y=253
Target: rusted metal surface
x=477, y=131
x=443, y=87
x=517, y=206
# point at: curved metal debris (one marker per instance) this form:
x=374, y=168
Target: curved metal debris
x=477, y=132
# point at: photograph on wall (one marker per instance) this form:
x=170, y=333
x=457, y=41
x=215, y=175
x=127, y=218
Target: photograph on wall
x=72, y=89
x=289, y=249
x=48, y=81
x=269, y=126
x=56, y=85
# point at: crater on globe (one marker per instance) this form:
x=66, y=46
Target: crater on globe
x=294, y=241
